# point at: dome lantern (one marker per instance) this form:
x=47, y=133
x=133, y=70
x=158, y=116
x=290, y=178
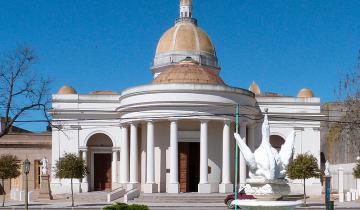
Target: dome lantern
x=185, y=8
x=183, y=40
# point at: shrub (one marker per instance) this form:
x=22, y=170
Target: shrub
x=357, y=169
x=124, y=206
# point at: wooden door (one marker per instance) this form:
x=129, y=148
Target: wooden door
x=189, y=161
x=102, y=172
x=183, y=166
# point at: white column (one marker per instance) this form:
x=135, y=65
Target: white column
x=204, y=152
x=174, y=153
x=242, y=163
x=84, y=157
x=358, y=186
x=341, y=184
x=124, y=154
x=204, y=185
x=113, y=166
x=133, y=154
x=150, y=186
x=150, y=161
x=226, y=185
x=84, y=185
x=226, y=154
x=173, y=186
x=251, y=137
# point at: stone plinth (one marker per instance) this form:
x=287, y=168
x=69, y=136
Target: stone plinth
x=266, y=205
x=263, y=189
x=45, y=192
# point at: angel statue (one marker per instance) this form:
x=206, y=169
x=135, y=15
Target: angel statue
x=44, y=166
x=266, y=162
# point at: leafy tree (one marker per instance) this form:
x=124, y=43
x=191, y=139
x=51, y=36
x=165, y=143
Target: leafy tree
x=21, y=90
x=9, y=169
x=303, y=167
x=70, y=167
x=357, y=169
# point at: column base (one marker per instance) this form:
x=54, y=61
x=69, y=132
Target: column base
x=226, y=188
x=208, y=188
x=131, y=186
x=150, y=188
x=172, y=188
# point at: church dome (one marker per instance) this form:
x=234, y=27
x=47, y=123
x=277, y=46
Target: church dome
x=103, y=92
x=255, y=88
x=305, y=93
x=185, y=39
x=185, y=36
x=190, y=72
x=66, y=90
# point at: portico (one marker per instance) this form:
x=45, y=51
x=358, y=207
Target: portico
x=222, y=160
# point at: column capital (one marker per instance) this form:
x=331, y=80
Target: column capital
x=252, y=125
x=173, y=119
x=204, y=120
x=115, y=149
x=243, y=124
x=134, y=123
x=83, y=149
x=228, y=121
x=124, y=125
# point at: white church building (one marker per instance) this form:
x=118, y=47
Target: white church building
x=176, y=134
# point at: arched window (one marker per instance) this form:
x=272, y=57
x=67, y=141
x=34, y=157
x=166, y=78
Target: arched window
x=99, y=140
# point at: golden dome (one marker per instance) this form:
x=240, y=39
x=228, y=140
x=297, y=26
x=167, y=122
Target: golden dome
x=255, y=88
x=103, y=92
x=66, y=90
x=305, y=93
x=185, y=36
x=188, y=71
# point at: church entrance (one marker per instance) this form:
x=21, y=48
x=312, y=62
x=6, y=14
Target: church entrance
x=189, y=166
x=102, y=172
x=100, y=148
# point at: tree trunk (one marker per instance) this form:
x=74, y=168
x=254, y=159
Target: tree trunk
x=72, y=193
x=304, y=194
x=2, y=184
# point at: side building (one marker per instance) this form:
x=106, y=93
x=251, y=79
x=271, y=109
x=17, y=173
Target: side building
x=25, y=145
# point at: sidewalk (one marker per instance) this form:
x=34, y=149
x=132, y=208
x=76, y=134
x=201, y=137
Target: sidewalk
x=97, y=200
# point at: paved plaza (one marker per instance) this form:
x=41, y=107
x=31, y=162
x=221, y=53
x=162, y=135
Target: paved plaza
x=97, y=200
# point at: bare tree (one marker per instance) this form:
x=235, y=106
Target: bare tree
x=21, y=89
x=349, y=126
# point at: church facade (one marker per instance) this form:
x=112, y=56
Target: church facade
x=176, y=134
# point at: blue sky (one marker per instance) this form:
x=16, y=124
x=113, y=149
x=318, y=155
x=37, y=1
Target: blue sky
x=109, y=45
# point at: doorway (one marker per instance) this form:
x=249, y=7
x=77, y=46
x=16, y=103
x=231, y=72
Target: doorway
x=102, y=172
x=189, y=166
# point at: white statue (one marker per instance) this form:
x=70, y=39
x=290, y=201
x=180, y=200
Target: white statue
x=44, y=166
x=327, y=170
x=266, y=162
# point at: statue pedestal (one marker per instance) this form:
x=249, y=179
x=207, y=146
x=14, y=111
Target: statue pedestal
x=45, y=192
x=263, y=189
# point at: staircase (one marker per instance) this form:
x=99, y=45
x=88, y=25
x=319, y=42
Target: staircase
x=182, y=201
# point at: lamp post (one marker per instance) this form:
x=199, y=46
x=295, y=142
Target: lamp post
x=236, y=186
x=26, y=170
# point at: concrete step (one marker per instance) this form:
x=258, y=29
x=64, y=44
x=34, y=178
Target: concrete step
x=182, y=200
